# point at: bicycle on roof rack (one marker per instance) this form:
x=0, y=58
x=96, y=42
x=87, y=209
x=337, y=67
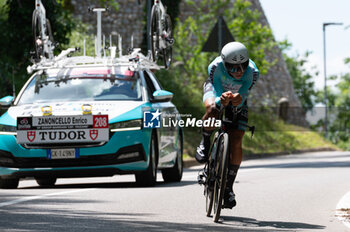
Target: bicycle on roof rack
x=42, y=34
x=44, y=58
x=161, y=34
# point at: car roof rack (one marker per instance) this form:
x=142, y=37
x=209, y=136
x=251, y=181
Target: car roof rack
x=134, y=60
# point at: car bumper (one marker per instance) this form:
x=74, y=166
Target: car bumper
x=125, y=152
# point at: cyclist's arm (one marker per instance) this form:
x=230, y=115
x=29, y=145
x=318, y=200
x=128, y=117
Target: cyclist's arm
x=212, y=87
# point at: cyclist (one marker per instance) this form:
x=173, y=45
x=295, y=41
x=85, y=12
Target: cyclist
x=231, y=77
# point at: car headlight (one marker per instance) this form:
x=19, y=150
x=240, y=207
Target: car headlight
x=126, y=125
x=8, y=130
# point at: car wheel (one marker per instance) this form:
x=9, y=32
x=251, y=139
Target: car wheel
x=46, y=182
x=174, y=174
x=9, y=183
x=148, y=178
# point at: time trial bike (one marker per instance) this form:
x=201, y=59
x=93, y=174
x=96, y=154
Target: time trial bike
x=214, y=174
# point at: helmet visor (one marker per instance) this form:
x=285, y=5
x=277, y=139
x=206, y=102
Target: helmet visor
x=233, y=68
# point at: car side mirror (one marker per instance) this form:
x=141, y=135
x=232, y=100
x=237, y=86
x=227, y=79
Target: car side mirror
x=162, y=96
x=6, y=102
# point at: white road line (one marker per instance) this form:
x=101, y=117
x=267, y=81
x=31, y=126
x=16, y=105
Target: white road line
x=31, y=198
x=24, y=199
x=344, y=204
x=191, y=176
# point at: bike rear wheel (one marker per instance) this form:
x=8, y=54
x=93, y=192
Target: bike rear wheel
x=168, y=51
x=221, y=164
x=154, y=33
x=37, y=36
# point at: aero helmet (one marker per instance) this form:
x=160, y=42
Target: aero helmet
x=235, y=58
x=234, y=53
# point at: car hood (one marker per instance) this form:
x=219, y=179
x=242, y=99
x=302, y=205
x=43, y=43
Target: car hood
x=116, y=110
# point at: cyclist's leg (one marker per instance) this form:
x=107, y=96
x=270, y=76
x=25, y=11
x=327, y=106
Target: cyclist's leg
x=236, y=136
x=210, y=112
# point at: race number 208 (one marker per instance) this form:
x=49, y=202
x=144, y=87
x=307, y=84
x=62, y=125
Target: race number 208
x=100, y=121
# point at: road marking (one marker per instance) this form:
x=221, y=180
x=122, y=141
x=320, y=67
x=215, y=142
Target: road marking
x=343, y=210
x=24, y=199
x=191, y=176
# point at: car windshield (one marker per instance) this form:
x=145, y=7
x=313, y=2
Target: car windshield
x=44, y=88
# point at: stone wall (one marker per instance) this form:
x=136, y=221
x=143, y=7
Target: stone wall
x=127, y=21
x=270, y=88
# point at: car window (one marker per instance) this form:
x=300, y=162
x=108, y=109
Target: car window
x=79, y=87
x=154, y=80
x=150, y=85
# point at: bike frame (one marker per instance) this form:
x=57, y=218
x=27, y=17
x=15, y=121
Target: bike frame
x=47, y=44
x=212, y=176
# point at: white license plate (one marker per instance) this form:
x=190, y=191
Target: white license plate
x=62, y=154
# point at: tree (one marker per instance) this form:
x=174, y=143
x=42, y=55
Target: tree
x=190, y=68
x=302, y=78
x=338, y=103
x=340, y=113
x=17, y=41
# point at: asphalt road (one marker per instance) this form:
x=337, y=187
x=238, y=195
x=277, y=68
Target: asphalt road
x=288, y=193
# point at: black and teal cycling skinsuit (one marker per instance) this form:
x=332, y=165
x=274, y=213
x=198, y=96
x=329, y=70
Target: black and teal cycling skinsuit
x=220, y=81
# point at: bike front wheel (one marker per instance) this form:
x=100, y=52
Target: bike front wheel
x=169, y=40
x=154, y=33
x=40, y=40
x=209, y=193
x=37, y=35
x=221, y=163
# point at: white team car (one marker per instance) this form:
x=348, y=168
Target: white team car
x=90, y=120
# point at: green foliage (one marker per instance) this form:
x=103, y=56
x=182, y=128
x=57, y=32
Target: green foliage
x=17, y=39
x=339, y=108
x=77, y=37
x=275, y=136
x=338, y=102
x=190, y=68
x=302, y=79
x=110, y=4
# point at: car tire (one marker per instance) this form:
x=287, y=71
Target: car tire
x=174, y=174
x=46, y=182
x=9, y=183
x=148, y=178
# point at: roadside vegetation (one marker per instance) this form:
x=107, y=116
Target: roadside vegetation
x=271, y=136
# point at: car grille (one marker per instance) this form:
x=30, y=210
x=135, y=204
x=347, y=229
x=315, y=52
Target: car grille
x=63, y=145
x=120, y=157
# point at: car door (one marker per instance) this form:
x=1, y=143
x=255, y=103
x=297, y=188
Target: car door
x=167, y=132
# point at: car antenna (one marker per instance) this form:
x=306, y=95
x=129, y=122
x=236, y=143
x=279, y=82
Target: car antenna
x=84, y=47
x=98, y=37
x=120, y=45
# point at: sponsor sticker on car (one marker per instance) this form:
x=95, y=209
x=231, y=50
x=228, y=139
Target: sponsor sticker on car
x=62, y=129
